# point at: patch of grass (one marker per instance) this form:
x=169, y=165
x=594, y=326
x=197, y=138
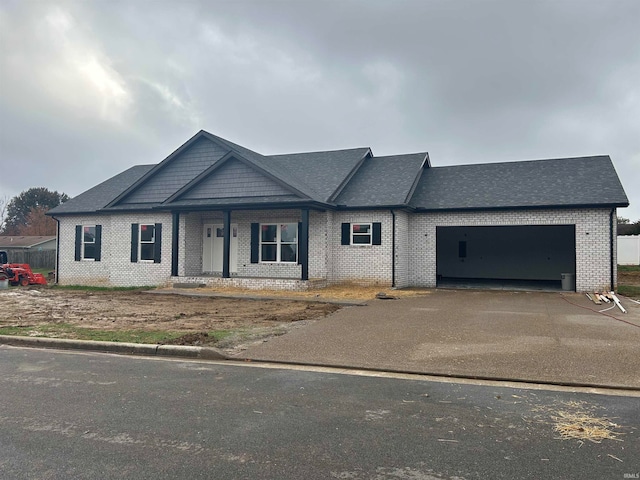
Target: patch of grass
x=629, y=268
x=629, y=290
x=65, y=330
x=87, y=288
x=221, y=334
x=43, y=271
x=68, y=331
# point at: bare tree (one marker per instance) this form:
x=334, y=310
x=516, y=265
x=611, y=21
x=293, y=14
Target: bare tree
x=37, y=223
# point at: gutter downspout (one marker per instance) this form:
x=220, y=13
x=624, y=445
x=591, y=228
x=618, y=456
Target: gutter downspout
x=611, y=265
x=57, y=245
x=393, y=248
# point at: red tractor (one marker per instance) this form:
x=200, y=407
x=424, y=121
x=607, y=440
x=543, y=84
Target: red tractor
x=21, y=274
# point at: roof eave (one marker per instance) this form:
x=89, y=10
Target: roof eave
x=522, y=207
x=398, y=206
x=312, y=204
x=79, y=212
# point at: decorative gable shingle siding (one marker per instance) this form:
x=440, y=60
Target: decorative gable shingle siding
x=115, y=267
x=177, y=173
x=232, y=180
x=361, y=264
x=591, y=228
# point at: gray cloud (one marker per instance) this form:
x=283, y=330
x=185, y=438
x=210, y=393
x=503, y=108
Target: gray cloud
x=88, y=89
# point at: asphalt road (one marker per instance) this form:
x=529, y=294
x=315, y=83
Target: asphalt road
x=82, y=415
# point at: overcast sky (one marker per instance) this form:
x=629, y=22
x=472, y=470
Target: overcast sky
x=88, y=89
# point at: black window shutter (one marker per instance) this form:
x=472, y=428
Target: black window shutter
x=78, y=243
x=134, y=242
x=98, y=254
x=346, y=234
x=255, y=242
x=377, y=234
x=157, y=246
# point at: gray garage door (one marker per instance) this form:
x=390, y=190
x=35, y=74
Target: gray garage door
x=538, y=253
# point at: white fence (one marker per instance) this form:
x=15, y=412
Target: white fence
x=629, y=250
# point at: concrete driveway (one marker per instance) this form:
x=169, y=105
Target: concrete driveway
x=531, y=336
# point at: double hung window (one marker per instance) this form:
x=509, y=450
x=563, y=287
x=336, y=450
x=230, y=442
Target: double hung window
x=89, y=242
x=279, y=242
x=147, y=242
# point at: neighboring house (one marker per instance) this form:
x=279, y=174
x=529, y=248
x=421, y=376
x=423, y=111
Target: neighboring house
x=37, y=251
x=217, y=213
x=20, y=243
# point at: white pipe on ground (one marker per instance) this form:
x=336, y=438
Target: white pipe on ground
x=615, y=299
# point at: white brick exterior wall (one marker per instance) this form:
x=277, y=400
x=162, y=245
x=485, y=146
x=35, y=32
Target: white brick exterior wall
x=328, y=260
x=592, y=240
x=362, y=264
x=402, y=249
x=115, y=267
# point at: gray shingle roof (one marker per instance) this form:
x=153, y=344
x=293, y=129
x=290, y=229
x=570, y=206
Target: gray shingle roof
x=189, y=176
x=534, y=183
x=102, y=194
x=321, y=172
x=382, y=181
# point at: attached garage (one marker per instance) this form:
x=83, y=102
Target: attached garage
x=534, y=255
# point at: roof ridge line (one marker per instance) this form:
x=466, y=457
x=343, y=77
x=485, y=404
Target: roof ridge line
x=524, y=161
x=316, y=151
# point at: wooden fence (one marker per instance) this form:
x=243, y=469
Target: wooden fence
x=36, y=259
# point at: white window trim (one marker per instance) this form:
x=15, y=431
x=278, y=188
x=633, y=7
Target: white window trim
x=352, y=233
x=83, y=243
x=141, y=242
x=278, y=243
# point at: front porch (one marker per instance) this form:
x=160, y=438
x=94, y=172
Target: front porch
x=249, y=249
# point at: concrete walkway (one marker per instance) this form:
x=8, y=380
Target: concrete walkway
x=529, y=336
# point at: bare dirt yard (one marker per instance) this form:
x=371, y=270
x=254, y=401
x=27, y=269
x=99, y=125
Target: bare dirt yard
x=134, y=316
x=629, y=275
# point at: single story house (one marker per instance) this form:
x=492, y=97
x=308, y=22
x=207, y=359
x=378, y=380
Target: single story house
x=20, y=243
x=214, y=212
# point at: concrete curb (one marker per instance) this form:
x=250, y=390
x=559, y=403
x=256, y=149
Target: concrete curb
x=181, y=351
x=453, y=376
x=175, y=291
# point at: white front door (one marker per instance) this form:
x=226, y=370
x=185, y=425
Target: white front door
x=213, y=248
